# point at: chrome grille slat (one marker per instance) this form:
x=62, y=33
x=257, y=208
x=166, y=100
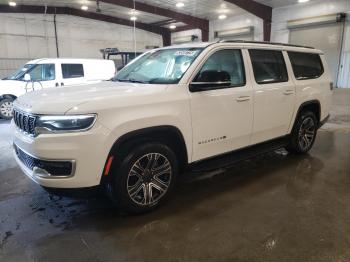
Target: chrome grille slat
x=24, y=121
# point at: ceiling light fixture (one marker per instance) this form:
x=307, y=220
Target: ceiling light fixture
x=12, y=3
x=133, y=18
x=84, y=7
x=222, y=16
x=303, y=1
x=133, y=12
x=180, y=4
x=172, y=26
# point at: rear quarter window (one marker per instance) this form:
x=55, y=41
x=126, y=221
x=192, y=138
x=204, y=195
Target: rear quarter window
x=72, y=70
x=306, y=65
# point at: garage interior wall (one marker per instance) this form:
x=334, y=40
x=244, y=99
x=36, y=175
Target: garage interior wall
x=280, y=32
x=28, y=36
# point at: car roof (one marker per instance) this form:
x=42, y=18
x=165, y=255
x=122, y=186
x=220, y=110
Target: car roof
x=71, y=60
x=248, y=44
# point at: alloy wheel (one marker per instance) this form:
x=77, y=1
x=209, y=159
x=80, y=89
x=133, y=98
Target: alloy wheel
x=149, y=179
x=6, y=109
x=307, y=133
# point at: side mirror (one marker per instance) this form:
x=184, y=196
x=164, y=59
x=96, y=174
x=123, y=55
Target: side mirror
x=210, y=79
x=27, y=77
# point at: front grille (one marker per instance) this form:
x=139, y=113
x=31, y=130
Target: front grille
x=54, y=168
x=24, y=121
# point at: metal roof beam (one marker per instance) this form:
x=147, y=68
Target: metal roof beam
x=80, y=13
x=164, y=22
x=147, y=8
x=260, y=10
x=193, y=21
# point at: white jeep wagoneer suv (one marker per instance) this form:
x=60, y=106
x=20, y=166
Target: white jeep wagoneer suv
x=171, y=109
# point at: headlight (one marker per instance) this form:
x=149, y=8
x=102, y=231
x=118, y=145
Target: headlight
x=62, y=124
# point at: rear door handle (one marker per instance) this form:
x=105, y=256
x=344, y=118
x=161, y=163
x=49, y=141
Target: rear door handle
x=242, y=98
x=288, y=92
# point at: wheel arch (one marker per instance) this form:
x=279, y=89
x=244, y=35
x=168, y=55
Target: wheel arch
x=310, y=105
x=5, y=96
x=169, y=135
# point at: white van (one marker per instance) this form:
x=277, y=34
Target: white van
x=51, y=72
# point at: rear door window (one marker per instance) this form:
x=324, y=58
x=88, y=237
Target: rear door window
x=306, y=65
x=72, y=70
x=268, y=66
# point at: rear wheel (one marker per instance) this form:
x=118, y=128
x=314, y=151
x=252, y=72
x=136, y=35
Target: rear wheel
x=6, y=107
x=144, y=178
x=303, y=133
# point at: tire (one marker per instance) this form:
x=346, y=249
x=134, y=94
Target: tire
x=303, y=134
x=135, y=186
x=6, y=106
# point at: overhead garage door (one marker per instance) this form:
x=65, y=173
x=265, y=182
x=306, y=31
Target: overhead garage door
x=326, y=37
x=244, y=33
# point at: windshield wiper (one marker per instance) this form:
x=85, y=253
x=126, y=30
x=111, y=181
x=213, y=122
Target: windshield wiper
x=132, y=81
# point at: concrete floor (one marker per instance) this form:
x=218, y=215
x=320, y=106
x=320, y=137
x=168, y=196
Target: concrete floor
x=276, y=207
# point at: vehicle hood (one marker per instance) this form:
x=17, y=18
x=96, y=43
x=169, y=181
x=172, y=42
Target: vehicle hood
x=62, y=99
x=12, y=87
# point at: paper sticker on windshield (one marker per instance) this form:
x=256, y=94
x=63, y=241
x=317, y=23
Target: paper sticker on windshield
x=186, y=53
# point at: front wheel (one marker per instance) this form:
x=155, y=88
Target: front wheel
x=303, y=133
x=6, y=107
x=144, y=178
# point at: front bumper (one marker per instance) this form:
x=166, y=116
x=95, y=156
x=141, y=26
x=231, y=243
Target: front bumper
x=45, y=168
x=86, y=151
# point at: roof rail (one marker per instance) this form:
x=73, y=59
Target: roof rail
x=261, y=42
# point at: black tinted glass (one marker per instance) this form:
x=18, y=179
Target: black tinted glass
x=72, y=70
x=268, y=66
x=305, y=65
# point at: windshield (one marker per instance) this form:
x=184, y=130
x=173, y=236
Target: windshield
x=20, y=72
x=166, y=66
x=37, y=72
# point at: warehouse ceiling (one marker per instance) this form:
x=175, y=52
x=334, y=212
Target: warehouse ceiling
x=206, y=9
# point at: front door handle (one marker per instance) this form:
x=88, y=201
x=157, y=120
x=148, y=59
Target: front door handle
x=242, y=98
x=288, y=92
x=57, y=84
